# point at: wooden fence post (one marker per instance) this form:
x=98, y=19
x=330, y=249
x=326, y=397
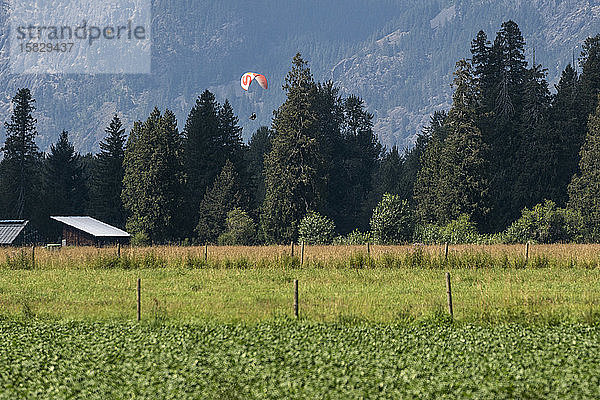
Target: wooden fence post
x=139, y=299
x=119, y=250
x=449, y=291
x=368, y=249
x=33, y=256
x=296, y=298
x=446, y=251
x=302, y=254
x=205, y=252
x=292, y=249
x=526, y=252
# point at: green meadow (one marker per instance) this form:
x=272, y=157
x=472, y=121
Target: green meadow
x=256, y=284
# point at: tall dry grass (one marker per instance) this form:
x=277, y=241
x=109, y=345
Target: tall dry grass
x=460, y=256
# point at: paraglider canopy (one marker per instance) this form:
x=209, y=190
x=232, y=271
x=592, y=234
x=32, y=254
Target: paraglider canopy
x=248, y=77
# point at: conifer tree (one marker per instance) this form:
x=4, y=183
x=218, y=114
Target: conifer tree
x=202, y=155
x=427, y=188
x=411, y=164
x=107, y=176
x=413, y=159
x=152, y=184
x=589, y=82
x=536, y=96
x=212, y=136
x=292, y=166
x=351, y=207
x=485, y=68
x=231, y=135
x=539, y=151
x=465, y=152
x=258, y=147
x=570, y=129
x=584, y=189
x=453, y=178
x=64, y=181
x=330, y=168
x=221, y=198
x=509, y=52
x=19, y=176
x=391, y=173
x=502, y=129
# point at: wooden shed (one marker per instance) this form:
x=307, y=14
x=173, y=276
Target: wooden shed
x=87, y=231
x=12, y=232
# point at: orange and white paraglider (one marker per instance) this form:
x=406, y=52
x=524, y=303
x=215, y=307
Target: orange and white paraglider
x=249, y=77
x=247, y=80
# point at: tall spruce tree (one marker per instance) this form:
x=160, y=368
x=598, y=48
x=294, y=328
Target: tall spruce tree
x=107, y=176
x=258, y=147
x=465, y=151
x=360, y=161
x=232, y=149
x=152, y=184
x=570, y=128
x=202, y=155
x=576, y=98
x=292, y=167
x=453, y=178
x=211, y=136
x=19, y=169
x=411, y=164
x=485, y=70
x=589, y=82
x=539, y=152
x=390, y=174
x=501, y=73
x=508, y=52
x=64, y=180
x=221, y=198
x=427, y=187
x=584, y=189
x=231, y=143
x=330, y=169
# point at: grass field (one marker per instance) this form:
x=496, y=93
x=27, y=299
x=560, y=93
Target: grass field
x=394, y=284
x=371, y=325
x=290, y=360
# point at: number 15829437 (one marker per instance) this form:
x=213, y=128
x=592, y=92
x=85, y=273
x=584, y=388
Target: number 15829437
x=34, y=47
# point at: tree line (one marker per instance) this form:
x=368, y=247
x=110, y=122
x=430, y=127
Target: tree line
x=508, y=145
x=164, y=184
x=509, y=160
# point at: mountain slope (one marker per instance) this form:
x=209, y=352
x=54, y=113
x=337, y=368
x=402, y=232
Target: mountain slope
x=397, y=55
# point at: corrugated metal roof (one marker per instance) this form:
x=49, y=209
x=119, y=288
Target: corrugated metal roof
x=92, y=226
x=9, y=230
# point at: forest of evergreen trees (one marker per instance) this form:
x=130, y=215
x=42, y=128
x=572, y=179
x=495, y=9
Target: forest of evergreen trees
x=510, y=161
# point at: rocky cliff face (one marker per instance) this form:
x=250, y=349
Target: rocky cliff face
x=397, y=55
x=405, y=75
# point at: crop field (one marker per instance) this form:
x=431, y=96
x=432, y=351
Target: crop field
x=289, y=359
